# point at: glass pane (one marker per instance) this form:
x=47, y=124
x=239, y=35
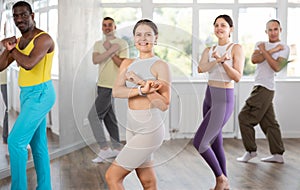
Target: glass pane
x=215, y=1
x=206, y=28
x=44, y=21
x=53, y=2
x=36, y=5
x=125, y=19
x=293, y=68
x=172, y=1
x=120, y=1
x=175, y=38
x=257, y=17
x=37, y=19
x=53, y=23
x=257, y=1
x=43, y=3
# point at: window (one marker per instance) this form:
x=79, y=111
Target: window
x=186, y=26
x=257, y=1
x=251, y=29
x=43, y=21
x=293, y=68
x=52, y=29
x=175, y=38
x=125, y=19
x=121, y=1
x=172, y=1
x=46, y=18
x=215, y=1
x=206, y=28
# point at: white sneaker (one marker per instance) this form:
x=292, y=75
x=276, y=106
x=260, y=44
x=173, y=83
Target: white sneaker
x=97, y=160
x=247, y=156
x=115, y=152
x=277, y=158
x=105, y=154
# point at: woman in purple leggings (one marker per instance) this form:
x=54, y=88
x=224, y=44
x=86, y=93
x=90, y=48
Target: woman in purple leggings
x=224, y=63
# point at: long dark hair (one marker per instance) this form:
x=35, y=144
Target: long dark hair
x=148, y=23
x=226, y=18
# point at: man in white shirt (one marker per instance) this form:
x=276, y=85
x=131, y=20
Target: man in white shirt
x=270, y=57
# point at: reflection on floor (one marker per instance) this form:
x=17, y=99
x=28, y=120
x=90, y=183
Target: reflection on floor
x=179, y=166
x=53, y=143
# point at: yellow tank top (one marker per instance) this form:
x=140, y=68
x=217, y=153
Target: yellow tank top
x=41, y=72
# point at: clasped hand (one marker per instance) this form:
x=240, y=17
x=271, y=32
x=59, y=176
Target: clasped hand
x=149, y=86
x=9, y=43
x=277, y=48
x=221, y=59
x=134, y=78
x=111, y=46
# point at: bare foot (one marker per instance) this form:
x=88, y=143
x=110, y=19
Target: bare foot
x=222, y=183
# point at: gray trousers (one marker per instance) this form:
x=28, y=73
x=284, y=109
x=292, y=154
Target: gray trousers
x=103, y=111
x=259, y=109
x=5, y=119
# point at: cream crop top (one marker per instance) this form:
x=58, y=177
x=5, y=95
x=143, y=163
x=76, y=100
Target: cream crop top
x=142, y=68
x=218, y=73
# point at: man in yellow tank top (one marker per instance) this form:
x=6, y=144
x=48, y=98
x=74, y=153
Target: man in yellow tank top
x=108, y=55
x=33, y=52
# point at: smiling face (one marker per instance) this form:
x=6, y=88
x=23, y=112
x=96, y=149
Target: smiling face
x=144, y=38
x=108, y=27
x=222, y=28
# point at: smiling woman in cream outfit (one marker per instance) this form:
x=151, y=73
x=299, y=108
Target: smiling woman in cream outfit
x=145, y=81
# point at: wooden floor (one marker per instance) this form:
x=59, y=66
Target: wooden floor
x=179, y=167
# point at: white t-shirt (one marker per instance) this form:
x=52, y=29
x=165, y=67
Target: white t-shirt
x=264, y=74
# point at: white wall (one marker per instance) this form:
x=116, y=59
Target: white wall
x=186, y=108
x=79, y=27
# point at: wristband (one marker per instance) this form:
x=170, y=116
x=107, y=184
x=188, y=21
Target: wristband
x=140, y=91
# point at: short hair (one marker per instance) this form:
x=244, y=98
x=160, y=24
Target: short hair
x=148, y=23
x=23, y=4
x=273, y=20
x=108, y=18
x=226, y=18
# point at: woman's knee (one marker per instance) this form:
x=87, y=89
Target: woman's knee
x=109, y=177
x=115, y=175
x=147, y=177
x=148, y=181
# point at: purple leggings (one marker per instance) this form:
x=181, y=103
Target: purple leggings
x=217, y=108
